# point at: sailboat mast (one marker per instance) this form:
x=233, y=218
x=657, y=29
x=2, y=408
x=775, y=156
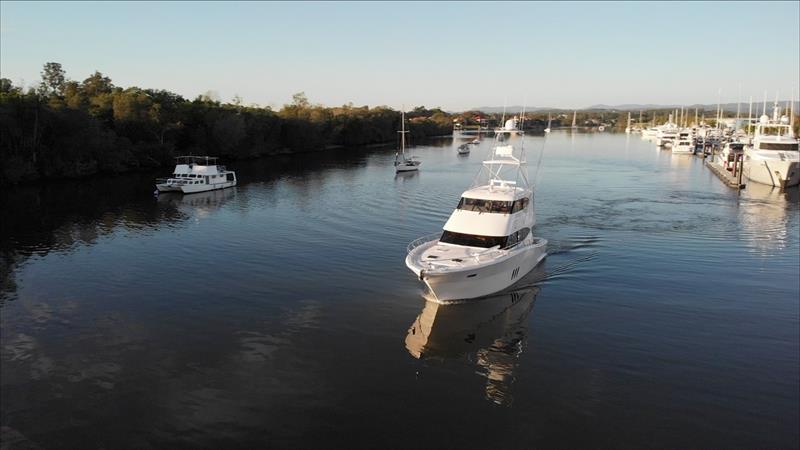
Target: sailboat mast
x=403, y=132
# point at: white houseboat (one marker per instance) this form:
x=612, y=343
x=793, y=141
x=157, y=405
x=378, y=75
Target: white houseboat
x=196, y=174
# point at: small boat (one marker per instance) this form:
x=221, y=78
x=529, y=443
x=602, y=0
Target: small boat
x=196, y=174
x=487, y=244
x=547, y=130
x=402, y=163
x=475, y=141
x=463, y=149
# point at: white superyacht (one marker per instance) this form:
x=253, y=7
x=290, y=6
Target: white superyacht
x=487, y=244
x=773, y=159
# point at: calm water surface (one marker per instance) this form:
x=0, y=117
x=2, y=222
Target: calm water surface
x=280, y=313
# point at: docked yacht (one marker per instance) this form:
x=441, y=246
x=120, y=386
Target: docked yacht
x=666, y=136
x=727, y=157
x=487, y=244
x=773, y=159
x=683, y=145
x=402, y=163
x=196, y=174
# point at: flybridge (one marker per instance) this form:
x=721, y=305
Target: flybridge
x=506, y=168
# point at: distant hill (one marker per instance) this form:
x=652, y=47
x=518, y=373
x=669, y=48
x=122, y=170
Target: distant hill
x=633, y=107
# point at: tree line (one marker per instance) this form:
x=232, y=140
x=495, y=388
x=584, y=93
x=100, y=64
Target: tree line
x=68, y=128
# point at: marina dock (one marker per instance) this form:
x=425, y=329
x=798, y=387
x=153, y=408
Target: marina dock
x=726, y=176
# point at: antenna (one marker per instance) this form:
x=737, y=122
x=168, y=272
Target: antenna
x=764, y=108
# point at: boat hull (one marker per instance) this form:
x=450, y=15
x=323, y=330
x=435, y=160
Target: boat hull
x=773, y=173
x=680, y=149
x=475, y=282
x=193, y=188
x=405, y=168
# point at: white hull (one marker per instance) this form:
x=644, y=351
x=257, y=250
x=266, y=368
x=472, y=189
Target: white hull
x=681, y=149
x=405, y=168
x=773, y=173
x=478, y=281
x=194, y=188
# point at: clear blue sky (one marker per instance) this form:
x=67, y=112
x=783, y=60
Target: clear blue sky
x=453, y=55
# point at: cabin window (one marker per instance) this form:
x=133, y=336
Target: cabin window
x=517, y=237
x=520, y=204
x=230, y=177
x=484, y=206
x=206, y=179
x=777, y=146
x=472, y=240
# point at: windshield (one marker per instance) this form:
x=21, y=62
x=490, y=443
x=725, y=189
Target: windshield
x=472, y=240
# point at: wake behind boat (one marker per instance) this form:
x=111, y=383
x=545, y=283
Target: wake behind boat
x=487, y=244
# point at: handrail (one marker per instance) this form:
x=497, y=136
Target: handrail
x=477, y=256
x=423, y=240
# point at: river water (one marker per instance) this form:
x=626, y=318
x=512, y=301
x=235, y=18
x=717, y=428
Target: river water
x=280, y=313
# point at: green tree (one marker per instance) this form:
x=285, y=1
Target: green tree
x=53, y=78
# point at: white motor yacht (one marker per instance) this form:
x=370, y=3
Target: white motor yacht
x=196, y=174
x=666, y=137
x=727, y=157
x=402, y=163
x=773, y=159
x=683, y=145
x=487, y=244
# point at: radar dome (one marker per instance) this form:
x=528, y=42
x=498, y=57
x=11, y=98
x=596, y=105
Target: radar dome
x=764, y=119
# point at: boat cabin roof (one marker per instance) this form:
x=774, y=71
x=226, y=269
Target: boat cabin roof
x=509, y=192
x=197, y=160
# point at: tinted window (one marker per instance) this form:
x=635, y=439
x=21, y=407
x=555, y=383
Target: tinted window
x=487, y=206
x=472, y=240
x=776, y=146
x=520, y=204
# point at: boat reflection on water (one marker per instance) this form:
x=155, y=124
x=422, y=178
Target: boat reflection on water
x=490, y=331
x=203, y=202
x=765, y=213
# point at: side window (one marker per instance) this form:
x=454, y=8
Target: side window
x=520, y=204
x=523, y=233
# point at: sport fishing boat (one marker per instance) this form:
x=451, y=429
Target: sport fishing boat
x=402, y=163
x=773, y=159
x=196, y=174
x=487, y=244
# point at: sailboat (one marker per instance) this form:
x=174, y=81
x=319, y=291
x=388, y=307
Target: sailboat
x=547, y=130
x=628, y=128
x=574, y=115
x=402, y=163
